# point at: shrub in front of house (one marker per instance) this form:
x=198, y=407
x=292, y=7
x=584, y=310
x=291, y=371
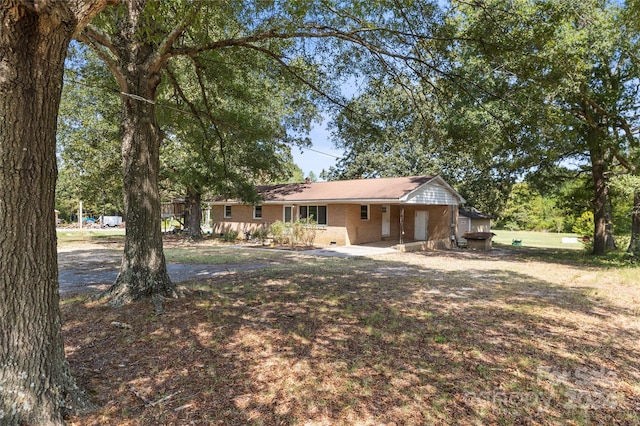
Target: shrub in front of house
x=261, y=234
x=300, y=232
x=230, y=235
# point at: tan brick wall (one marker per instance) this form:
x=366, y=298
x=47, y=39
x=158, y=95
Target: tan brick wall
x=364, y=231
x=344, y=224
x=439, y=223
x=241, y=220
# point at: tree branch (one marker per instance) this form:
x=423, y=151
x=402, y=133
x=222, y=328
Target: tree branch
x=166, y=45
x=297, y=76
x=86, y=10
x=101, y=44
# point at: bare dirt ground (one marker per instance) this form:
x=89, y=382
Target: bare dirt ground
x=396, y=339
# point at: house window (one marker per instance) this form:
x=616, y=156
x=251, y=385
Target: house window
x=227, y=212
x=257, y=212
x=288, y=214
x=316, y=213
x=364, y=212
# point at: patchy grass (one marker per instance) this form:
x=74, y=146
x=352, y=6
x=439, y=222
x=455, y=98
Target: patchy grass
x=74, y=237
x=433, y=338
x=214, y=253
x=548, y=247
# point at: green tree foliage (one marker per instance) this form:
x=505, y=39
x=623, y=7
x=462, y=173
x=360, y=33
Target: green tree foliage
x=568, y=69
x=528, y=209
x=392, y=130
x=88, y=139
x=240, y=116
x=584, y=225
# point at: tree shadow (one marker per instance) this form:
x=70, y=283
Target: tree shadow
x=343, y=341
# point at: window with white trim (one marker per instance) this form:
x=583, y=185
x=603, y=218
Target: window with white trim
x=257, y=212
x=364, y=212
x=227, y=212
x=287, y=215
x=315, y=213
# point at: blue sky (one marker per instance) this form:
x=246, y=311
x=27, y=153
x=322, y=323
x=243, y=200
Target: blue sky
x=312, y=160
x=309, y=160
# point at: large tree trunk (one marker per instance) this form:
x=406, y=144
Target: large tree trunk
x=634, y=244
x=143, y=272
x=36, y=386
x=601, y=196
x=193, y=213
x=610, y=242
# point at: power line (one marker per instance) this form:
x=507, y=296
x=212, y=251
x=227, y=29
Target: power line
x=320, y=152
x=160, y=105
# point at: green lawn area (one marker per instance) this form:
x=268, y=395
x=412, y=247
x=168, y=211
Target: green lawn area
x=536, y=239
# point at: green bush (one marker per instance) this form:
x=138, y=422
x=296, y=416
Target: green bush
x=230, y=235
x=308, y=232
x=622, y=241
x=261, y=234
x=301, y=231
x=279, y=232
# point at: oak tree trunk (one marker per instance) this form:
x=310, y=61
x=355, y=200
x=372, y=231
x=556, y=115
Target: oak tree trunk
x=193, y=213
x=610, y=242
x=601, y=194
x=36, y=386
x=634, y=244
x=143, y=272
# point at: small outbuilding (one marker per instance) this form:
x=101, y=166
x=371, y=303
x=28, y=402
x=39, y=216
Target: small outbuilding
x=471, y=220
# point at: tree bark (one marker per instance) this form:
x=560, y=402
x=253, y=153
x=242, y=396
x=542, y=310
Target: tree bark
x=36, y=386
x=193, y=213
x=610, y=242
x=601, y=194
x=143, y=272
x=634, y=244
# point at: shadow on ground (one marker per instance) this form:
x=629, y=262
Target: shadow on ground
x=360, y=340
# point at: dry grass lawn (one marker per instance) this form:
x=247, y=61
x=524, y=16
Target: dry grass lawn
x=402, y=339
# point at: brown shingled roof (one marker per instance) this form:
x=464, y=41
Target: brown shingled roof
x=357, y=189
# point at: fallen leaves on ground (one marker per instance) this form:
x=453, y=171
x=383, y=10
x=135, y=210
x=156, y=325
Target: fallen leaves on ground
x=431, y=338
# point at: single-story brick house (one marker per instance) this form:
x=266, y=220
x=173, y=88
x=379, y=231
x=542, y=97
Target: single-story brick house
x=405, y=209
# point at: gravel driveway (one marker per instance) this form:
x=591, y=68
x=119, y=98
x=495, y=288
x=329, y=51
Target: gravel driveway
x=95, y=269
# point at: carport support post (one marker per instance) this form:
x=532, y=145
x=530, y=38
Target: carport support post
x=402, y=225
x=80, y=215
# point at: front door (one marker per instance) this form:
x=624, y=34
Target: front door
x=464, y=225
x=420, y=227
x=386, y=221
